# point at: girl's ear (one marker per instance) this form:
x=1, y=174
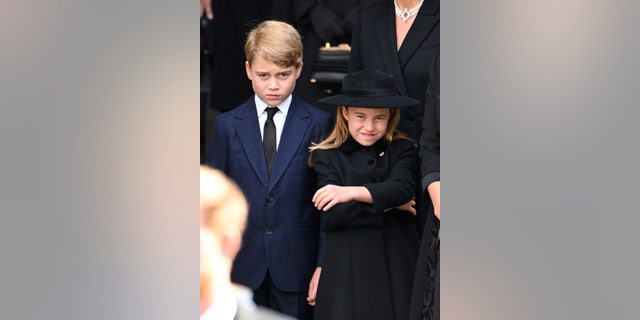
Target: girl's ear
x=345, y=113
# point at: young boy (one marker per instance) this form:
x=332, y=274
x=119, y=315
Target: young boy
x=265, y=151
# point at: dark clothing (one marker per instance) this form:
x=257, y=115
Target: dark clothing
x=425, y=303
x=370, y=255
x=373, y=47
x=425, y=298
x=249, y=311
x=319, y=22
x=283, y=225
x=283, y=233
x=291, y=303
x=228, y=32
x=430, y=137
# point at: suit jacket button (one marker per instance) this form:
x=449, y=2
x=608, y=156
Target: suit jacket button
x=271, y=197
x=269, y=232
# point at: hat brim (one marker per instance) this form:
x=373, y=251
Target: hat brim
x=370, y=101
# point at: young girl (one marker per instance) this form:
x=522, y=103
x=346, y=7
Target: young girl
x=366, y=178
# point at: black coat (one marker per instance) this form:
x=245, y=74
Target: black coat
x=374, y=48
x=430, y=137
x=370, y=255
x=425, y=303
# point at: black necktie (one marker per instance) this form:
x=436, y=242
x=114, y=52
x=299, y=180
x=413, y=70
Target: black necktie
x=269, y=138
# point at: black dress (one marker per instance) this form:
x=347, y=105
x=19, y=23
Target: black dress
x=370, y=255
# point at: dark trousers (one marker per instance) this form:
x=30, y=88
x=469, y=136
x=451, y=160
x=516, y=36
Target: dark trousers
x=291, y=303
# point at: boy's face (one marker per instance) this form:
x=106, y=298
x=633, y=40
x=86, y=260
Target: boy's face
x=367, y=125
x=272, y=83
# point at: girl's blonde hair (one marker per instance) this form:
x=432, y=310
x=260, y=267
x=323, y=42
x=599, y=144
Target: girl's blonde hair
x=340, y=132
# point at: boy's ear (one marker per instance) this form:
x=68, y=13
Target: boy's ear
x=247, y=67
x=298, y=70
x=231, y=242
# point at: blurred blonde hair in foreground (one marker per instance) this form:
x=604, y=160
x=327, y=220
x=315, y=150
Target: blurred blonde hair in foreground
x=223, y=214
x=222, y=204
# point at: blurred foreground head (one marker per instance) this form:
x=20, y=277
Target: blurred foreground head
x=223, y=207
x=223, y=214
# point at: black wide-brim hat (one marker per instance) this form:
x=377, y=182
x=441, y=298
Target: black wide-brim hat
x=369, y=89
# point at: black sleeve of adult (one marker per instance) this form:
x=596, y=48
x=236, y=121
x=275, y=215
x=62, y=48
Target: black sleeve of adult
x=430, y=138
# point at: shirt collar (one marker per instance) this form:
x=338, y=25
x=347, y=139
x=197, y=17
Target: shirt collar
x=283, y=107
x=224, y=307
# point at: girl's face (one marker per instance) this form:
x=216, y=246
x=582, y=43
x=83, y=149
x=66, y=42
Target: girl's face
x=367, y=125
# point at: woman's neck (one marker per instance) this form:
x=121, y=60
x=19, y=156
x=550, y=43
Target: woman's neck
x=407, y=4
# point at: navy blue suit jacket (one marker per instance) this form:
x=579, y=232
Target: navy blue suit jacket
x=283, y=228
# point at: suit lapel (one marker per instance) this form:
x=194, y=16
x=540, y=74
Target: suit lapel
x=293, y=133
x=385, y=26
x=416, y=35
x=248, y=131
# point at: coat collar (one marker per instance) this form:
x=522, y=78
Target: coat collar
x=248, y=131
x=294, y=132
x=385, y=25
x=387, y=42
x=351, y=145
x=428, y=17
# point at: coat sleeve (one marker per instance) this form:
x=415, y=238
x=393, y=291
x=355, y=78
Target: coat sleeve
x=322, y=236
x=430, y=138
x=398, y=188
x=217, y=157
x=348, y=214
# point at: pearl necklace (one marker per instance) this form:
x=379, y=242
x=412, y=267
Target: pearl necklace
x=407, y=14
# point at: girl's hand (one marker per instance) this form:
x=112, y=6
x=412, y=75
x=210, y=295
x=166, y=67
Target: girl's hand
x=409, y=207
x=330, y=195
x=313, y=286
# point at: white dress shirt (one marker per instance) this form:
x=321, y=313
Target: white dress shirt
x=278, y=118
x=224, y=307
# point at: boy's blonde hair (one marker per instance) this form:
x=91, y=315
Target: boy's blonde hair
x=275, y=41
